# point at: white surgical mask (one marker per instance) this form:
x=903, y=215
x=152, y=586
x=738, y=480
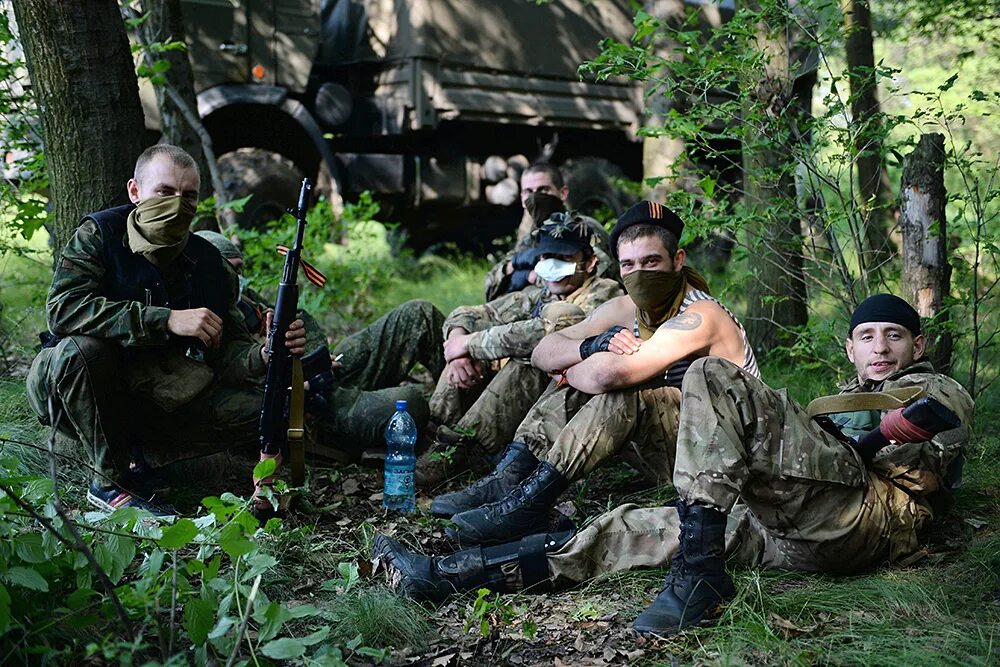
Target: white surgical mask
x=554, y=270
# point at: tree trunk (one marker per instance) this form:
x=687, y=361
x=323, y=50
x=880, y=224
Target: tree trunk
x=873, y=185
x=166, y=23
x=922, y=222
x=83, y=79
x=777, y=290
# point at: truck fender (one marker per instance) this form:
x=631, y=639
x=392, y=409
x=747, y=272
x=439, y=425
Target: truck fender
x=215, y=98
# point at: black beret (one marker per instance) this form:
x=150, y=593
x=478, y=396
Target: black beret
x=647, y=213
x=886, y=308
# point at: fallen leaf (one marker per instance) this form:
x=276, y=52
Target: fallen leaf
x=443, y=660
x=787, y=628
x=376, y=496
x=350, y=486
x=567, y=508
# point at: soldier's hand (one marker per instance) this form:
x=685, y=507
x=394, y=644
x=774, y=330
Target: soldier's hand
x=200, y=323
x=295, y=337
x=464, y=373
x=624, y=342
x=456, y=347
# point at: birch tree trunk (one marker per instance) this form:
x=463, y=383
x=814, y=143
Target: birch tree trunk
x=922, y=222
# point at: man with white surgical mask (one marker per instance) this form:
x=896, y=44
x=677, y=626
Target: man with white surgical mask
x=489, y=384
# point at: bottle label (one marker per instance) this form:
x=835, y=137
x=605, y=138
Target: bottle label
x=399, y=483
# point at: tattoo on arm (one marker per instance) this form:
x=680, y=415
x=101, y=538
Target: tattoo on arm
x=683, y=322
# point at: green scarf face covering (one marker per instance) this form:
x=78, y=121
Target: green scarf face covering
x=658, y=295
x=158, y=228
x=540, y=206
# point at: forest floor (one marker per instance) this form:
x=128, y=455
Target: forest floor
x=942, y=608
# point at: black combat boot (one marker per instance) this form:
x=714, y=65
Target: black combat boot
x=697, y=580
x=516, y=463
x=523, y=511
x=504, y=568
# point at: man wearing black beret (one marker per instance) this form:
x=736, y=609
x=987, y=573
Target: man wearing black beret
x=847, y=483
x=619, y=374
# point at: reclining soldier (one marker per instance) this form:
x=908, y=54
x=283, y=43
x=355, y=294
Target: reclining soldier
x=146, y=351
x=840, y=487
x=620, y=374
x=355, y=399
x=474, y=413
x=543, y=192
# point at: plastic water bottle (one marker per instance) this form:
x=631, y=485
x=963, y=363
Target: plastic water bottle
x=400, y=461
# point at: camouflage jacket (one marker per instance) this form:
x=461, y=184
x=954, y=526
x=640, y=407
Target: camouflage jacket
x=512, y=325
x=919, y=468
x=497, y=280
x=75, y=306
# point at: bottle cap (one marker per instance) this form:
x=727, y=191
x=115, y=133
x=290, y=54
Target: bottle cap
x=401, y=404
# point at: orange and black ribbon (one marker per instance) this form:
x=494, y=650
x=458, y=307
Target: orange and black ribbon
x=313, y=274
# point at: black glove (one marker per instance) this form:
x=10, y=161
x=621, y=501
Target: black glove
x=525, y=260
x=598, y=343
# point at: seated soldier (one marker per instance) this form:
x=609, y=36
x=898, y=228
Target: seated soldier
x=474, y=412
x=355, y=401
x=146, y=351
x=620, y=374
x=760, y=480
x=543, y=192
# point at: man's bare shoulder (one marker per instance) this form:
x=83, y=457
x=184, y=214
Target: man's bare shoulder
x=621, y=309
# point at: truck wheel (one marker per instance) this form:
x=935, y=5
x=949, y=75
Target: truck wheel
x=273, y=181
x=591, y=186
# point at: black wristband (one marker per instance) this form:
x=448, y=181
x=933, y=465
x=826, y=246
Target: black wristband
x=598, y=343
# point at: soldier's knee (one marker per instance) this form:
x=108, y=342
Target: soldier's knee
x=560, y=315
x=711, y=366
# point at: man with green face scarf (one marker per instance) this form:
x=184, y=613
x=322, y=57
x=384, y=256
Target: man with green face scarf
x=619, y=375
x=146, y=353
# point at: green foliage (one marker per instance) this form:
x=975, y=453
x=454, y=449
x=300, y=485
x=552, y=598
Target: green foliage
x=490, y=611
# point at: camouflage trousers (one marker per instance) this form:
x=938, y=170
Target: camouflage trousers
x=795, y=496
x=490, y=421
x=818, y=506
x=99, y=405
x=576, y=432
x=376, y=360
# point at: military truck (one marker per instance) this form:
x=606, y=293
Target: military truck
x=433, y=105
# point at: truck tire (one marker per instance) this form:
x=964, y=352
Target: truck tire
x=591, y=186
x=273, y=181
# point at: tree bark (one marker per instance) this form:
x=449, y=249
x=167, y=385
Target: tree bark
x=873, y=185
x=926, y=272
x=777, y=290
x=166, y=23
x=83, y=79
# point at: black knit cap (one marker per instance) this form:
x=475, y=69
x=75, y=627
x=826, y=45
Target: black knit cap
x=647, y=213
x=886, y=308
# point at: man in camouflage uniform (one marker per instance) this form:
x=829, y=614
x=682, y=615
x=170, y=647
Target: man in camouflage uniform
x=146, y=351
x=369, y=368
x=761, y=481
x=621, y=371
x=475, y=413
x=543, y=192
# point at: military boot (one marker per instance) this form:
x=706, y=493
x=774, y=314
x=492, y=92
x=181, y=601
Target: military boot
x=516, y=463
x=504, y=568
x=697, y=581
x=523, y=511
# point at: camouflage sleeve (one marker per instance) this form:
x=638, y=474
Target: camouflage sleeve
x=518, y=339
x=75, y=307
x=503, y=310
x=497, y=279
x=923, y=466
x=238, y=359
